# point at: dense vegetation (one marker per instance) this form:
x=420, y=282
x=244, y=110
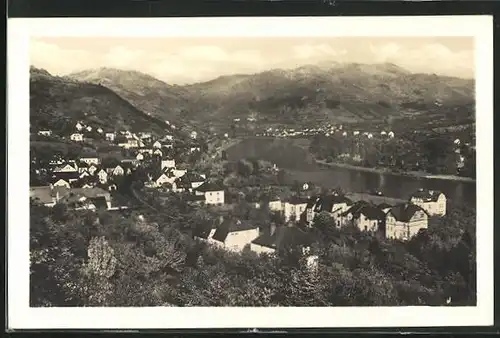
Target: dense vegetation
x=430, y=153
x=113, y=259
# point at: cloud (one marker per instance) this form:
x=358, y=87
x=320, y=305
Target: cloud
x=55, y=59
x=308, y=51
x=433, y=57
x=193, y=63
x=122, y=57
x=206, y=53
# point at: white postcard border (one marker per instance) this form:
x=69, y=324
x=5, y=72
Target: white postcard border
x=21, y=316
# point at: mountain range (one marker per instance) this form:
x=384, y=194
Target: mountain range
x=331, y=91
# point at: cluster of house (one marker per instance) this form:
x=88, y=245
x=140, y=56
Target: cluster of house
x=327, y=130
x=396, y=220
x=75, y=198
x=234, y=235
x=390, y=217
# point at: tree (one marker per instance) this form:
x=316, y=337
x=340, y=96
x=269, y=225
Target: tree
x=97, y=271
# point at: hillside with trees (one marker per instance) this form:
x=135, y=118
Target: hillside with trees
x=148, y=259
x=58, y=103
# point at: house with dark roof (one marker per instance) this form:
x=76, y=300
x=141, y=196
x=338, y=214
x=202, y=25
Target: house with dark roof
x=214, y=193
x=334, y=204
x=188, y=182
x=83, y=167
x=385, y=207
x=294, y=207
x=166, y=177
x=231, y=234
x=365, y=216
x=279, y=238
x=77, y=198
x=403, y=221
x=432, y=201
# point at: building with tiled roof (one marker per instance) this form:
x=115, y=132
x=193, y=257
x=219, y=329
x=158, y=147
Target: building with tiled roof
x=334, y=204
x=432, y=201
x=214, y=193
x=279, y=238
x=294, y=207
x=230, y=233
x=365, y=216
x=403, y=221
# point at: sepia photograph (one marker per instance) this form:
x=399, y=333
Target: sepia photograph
x=217, y=170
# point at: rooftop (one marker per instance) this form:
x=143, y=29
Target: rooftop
x=405, y=211
x=209, y=186
x=427, y=195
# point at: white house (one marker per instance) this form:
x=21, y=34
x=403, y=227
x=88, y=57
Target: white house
x=45, y=132
x=231, y=234
x=294, y=208
x=89, y=128
x=194, y=149
x=158, y=152
x=164, y=178
x=391, y=134
x=103, y=176
x=99, y=130
x=214, y=194
x=92, y=169
x=61, y=183
x=194, y=134
x=169, y=137
x=365, y=216
x=404, y=221
x=334, y=204
x=67, y=168
x=432, y=201
x=179, y=172
x=170, y=163
x=276, y=205
x=118, y=171
x=90, y=160
x=157, y=145
x=355, y=133
x=139, y=157
x=79, y=126
x=110, y=136
x=77, y=137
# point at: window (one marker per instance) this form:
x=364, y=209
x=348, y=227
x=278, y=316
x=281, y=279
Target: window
x=366, y=228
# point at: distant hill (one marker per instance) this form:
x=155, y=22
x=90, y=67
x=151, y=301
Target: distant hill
x=143, y=91
x=59, y=102
x=329, y=90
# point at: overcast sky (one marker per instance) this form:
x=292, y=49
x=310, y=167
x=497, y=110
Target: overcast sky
x=188, y=60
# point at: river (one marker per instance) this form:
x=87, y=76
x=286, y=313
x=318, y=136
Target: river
x=300, y=166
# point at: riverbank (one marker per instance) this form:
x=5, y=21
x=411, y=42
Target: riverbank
x=387, y=171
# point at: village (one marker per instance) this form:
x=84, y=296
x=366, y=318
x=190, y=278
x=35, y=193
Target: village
x=88, y=183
